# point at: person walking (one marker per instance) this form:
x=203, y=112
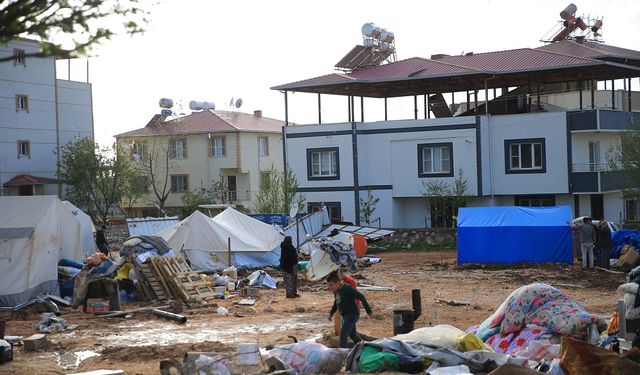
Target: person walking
x=586, y=242
x=345, y=297
x=603, y=243
x=289, y=266
x=101, y=240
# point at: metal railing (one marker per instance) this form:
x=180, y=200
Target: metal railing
x=590, y=167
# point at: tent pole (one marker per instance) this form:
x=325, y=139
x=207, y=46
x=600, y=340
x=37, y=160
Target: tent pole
x=229, y=250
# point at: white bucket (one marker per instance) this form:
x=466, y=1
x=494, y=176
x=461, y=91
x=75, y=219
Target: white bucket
x=248, y=354
x=231, y=287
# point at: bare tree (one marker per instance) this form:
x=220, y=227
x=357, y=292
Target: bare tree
x=156, y=166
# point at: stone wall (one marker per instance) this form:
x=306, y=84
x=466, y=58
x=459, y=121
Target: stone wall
x=429, y=236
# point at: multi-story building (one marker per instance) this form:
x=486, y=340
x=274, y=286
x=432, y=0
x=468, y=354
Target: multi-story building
x=204, y=147
x=527, y=127
x=38, y=114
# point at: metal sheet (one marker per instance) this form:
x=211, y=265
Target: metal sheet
x=150, y=225
x=369, y=233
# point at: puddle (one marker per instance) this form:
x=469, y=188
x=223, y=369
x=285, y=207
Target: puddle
x=72, y=360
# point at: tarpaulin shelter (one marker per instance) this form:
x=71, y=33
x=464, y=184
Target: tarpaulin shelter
x=514, y=235
x=35, y=233
x=205, y=240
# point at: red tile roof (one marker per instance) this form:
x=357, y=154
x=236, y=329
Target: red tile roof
x=25, y=179
x=209, y=122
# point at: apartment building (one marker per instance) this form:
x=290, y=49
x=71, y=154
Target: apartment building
x=204, y=147
x=530, y=127
x=39, y=113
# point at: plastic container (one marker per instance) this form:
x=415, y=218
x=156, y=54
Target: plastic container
x=231, y=287
x=231, y=273
x=248, y=354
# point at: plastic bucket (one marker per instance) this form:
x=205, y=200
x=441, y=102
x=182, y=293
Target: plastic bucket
x=402, y=321
x=248, y=354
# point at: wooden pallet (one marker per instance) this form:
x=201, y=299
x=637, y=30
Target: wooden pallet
x=152, y=287
x=181, y=281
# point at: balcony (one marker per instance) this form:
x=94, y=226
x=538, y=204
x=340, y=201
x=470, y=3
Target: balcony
x=597, y=178
x=235, y=196
x=601, y=119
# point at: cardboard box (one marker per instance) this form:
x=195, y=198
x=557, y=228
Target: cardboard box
x=97, y=305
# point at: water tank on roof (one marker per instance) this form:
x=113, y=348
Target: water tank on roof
x=166, y=112
x=208, y=105
x=371, y=30
x=570, y=10
x=165, y=103
x=370, y=43
x=387, y=36
x=195, y=106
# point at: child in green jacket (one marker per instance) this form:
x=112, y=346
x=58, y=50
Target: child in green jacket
x=345, y=297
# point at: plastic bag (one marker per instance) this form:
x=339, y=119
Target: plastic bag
x=310, y=358
x=219, y=365
x=469, y=341
x=222, y=311
x=441, y=335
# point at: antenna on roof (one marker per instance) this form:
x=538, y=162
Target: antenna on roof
x=378, y=46
x=574, y=27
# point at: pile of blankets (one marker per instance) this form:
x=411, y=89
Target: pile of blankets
x=534, y=312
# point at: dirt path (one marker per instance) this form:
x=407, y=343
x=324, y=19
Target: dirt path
x=137, y=345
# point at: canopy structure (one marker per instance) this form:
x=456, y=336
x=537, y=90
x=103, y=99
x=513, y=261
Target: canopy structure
x=205, y=240
x=514, y=235
x=35, y=233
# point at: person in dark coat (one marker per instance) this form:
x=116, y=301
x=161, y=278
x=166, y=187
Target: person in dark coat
x=101, y=240
x=603, y=243
x=289, y=266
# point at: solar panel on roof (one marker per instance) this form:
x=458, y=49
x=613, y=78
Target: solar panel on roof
x=361, y=57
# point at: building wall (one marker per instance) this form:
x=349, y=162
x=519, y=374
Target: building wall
x=38, y=81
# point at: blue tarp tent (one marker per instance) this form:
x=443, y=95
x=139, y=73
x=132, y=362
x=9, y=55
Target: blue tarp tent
x=514, y=234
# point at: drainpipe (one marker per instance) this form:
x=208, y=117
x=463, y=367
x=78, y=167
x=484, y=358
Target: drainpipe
x=486, y=113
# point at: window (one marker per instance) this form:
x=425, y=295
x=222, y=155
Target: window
x=233, y=188
x=178, y=148
x=525, y=155
x=19, y=57
x=218, y=147
x=179, y=183
x=435, y=160
x=594, y=156
x=333, y=209
x=535, y=200
x=24, y=150
x=263, y=146
x=441, y=214
x=139, y=151
x=323, y=163
x=22, y=103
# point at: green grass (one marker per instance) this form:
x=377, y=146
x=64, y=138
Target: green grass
x=386, y=245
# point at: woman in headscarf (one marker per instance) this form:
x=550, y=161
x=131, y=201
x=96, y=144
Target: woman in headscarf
x=289, y=266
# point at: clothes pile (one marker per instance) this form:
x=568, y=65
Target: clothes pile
x=622, y=238
x=631, y=294
x=140, y=248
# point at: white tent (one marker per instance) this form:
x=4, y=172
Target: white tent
x=204, y=240
x=35, y=232
x=87, y=229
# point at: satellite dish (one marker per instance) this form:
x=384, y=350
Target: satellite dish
x=239, y=103
x=195, y=106
x=165, y=103
x=231, y=102
x=293, y=210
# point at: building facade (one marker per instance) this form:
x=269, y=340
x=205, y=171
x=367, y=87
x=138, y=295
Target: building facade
x=202, y=149
x=39, y=114
x=540, y=144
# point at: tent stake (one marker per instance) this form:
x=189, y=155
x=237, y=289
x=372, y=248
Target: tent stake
x=229, y=250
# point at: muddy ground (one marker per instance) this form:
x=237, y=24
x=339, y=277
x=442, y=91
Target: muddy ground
x=138, y=344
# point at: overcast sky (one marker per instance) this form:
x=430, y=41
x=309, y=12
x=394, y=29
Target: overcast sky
x=214, y=50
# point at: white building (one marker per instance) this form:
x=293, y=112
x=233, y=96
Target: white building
x=38, y=114
x=543, y=141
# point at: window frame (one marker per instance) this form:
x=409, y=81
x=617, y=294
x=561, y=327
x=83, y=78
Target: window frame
x=507, y=155
x=25, y=100
x=175, y=185
x=20, y=142
x=19, y=57
x=422, y=147
x=310, y=175
x=136, y=147
x=266, y=148
x=634, y=203
x=172, y=149
x=224, y=146
x=519, y=200
x=335, y=207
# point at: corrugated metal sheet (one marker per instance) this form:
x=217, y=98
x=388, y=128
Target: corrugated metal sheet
x=367, y=232
x=150, y=225
x=590, y=50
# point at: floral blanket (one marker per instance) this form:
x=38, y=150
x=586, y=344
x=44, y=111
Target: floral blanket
x=541, y=305
x=511, y=342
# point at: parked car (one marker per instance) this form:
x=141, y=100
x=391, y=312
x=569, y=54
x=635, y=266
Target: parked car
x=578, y=222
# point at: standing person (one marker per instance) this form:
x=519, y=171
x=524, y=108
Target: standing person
x=289, y=266
x=345, y=297
x=603, y=244
x=101, y=240
x=586, y=242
